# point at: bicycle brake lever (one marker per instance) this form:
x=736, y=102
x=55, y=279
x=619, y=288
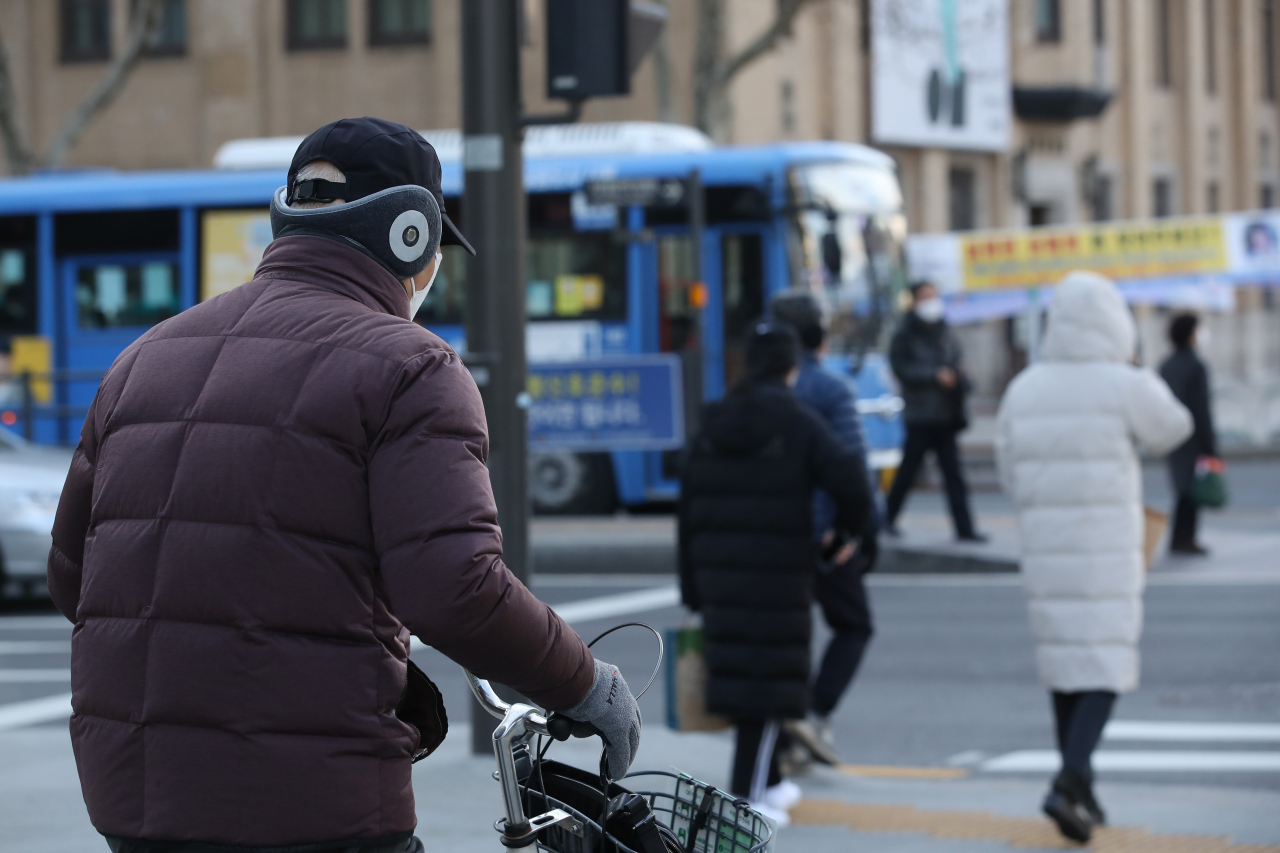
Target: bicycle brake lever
x=562, y=728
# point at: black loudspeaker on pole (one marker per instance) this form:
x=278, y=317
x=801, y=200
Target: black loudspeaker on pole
x=493, y=213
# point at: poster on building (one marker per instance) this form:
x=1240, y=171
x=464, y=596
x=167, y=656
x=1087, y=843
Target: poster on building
x=232, y=243
x=940, y=73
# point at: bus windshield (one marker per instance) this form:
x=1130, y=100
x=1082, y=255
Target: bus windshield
x=846, y=240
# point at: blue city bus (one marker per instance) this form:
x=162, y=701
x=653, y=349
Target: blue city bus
x=90, y=260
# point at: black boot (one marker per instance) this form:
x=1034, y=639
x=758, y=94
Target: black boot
x=1065, y=806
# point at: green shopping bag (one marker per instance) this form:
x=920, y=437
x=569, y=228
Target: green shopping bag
x=1210, y=489
x=687, y=683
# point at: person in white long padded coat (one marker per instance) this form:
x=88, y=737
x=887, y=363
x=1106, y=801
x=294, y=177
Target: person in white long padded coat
x=1069, y=429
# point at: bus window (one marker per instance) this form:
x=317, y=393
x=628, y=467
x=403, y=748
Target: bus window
x=122, y=295
x=576, y=277
x=676, y=313
x=116, y=231
x=231, y=246
x=17, y=278
x=743, y=260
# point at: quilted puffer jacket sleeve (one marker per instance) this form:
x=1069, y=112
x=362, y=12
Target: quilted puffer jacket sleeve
x=436, y=532
x=71, y=523
x=1156, y=418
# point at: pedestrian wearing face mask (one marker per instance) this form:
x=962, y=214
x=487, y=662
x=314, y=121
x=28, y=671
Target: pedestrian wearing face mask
x=272, y=491
x=926, y=358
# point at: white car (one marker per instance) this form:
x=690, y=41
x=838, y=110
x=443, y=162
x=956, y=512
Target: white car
x=31, y=479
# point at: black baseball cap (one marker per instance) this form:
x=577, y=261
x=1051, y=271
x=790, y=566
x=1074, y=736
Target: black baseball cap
x=375, y=155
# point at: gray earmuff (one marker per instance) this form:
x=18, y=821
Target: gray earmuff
x=399, y=227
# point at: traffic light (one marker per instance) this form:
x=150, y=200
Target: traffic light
x=593, y=46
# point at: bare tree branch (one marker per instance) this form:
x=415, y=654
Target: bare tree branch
x=763, y=43
x=142, y=26
x=713, y=74
x=15, y=145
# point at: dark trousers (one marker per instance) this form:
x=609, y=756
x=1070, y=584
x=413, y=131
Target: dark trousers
x=1186, y=514
x=755, y=758
x=942, y=441
x=843, y=598
x=1080, y=718
x=386, y=845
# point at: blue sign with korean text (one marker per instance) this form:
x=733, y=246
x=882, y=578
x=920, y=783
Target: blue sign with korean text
x=623, y=403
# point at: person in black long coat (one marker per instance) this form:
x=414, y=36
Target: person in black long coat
x=1189, y=379
x=747, y=551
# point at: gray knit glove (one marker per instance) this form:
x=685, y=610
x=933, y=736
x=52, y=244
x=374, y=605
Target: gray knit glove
x=612, y=709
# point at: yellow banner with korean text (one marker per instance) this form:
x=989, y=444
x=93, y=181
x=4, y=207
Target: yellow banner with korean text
x=1122, y=250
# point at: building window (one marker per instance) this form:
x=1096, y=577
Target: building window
x=1264, y=150
x=170, y=36
x=1048, y=21
x=962, y=199
x=86, y=30
x=316, y=24
x=1162, y=197
x=788, y=108
x=1210, y=48
x=1212, y=201
x=1099, y=22
x=1164, y=44
x=399, y=22
x=1269, y=49
x=1266, y=196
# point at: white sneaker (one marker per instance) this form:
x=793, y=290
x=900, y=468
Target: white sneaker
x=814, y=733
x=784, y=795
x=777, y=817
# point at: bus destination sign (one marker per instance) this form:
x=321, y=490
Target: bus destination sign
x=641, y=192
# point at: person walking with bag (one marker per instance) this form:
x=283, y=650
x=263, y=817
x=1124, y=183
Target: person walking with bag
x=1066, y=452
x=1188, y=377
x=843, y=564
x=925, y=357
x=747, y=552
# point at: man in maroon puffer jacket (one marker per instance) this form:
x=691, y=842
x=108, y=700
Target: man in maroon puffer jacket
x=272, y=491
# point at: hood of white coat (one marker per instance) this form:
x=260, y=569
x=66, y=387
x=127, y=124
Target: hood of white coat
x=1088, y=321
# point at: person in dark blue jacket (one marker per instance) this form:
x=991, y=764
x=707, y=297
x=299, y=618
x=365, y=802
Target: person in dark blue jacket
x=839, y=588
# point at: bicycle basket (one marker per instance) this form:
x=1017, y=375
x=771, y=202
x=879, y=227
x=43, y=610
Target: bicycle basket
x=716, y=821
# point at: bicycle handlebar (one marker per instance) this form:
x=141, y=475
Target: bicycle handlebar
x=491, y=702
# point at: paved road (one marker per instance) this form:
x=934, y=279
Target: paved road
x=948, y=701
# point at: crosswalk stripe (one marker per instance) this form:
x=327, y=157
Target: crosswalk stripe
x=1190, y=732
x=1167, y=761
x=33, y=676
x=34, y=647
x=35, y=711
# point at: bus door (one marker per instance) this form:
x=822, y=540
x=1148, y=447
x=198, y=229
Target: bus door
x=733, y=271
x=107, y=302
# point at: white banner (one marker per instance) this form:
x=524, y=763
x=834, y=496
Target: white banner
x=940, y=75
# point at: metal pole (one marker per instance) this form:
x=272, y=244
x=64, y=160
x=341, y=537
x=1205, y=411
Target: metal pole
x=28, y=408
x=692, y=356
x=493, y=212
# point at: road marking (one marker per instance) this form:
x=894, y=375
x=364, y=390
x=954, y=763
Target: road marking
x=873, y=771
x=34, y=647
x=1018, y=832
x=33, y=676
x=59, y=623
x=30, y=713
x=606, y=606
x=1170, y=761
x=1190, y=732
x=623, y=604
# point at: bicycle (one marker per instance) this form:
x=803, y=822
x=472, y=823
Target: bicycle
x=691, y=817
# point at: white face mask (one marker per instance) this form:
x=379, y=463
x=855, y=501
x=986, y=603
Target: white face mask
x=420, y=296
x=931, y=310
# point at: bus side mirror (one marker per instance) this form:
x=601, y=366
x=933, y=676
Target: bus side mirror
x=832, y=256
